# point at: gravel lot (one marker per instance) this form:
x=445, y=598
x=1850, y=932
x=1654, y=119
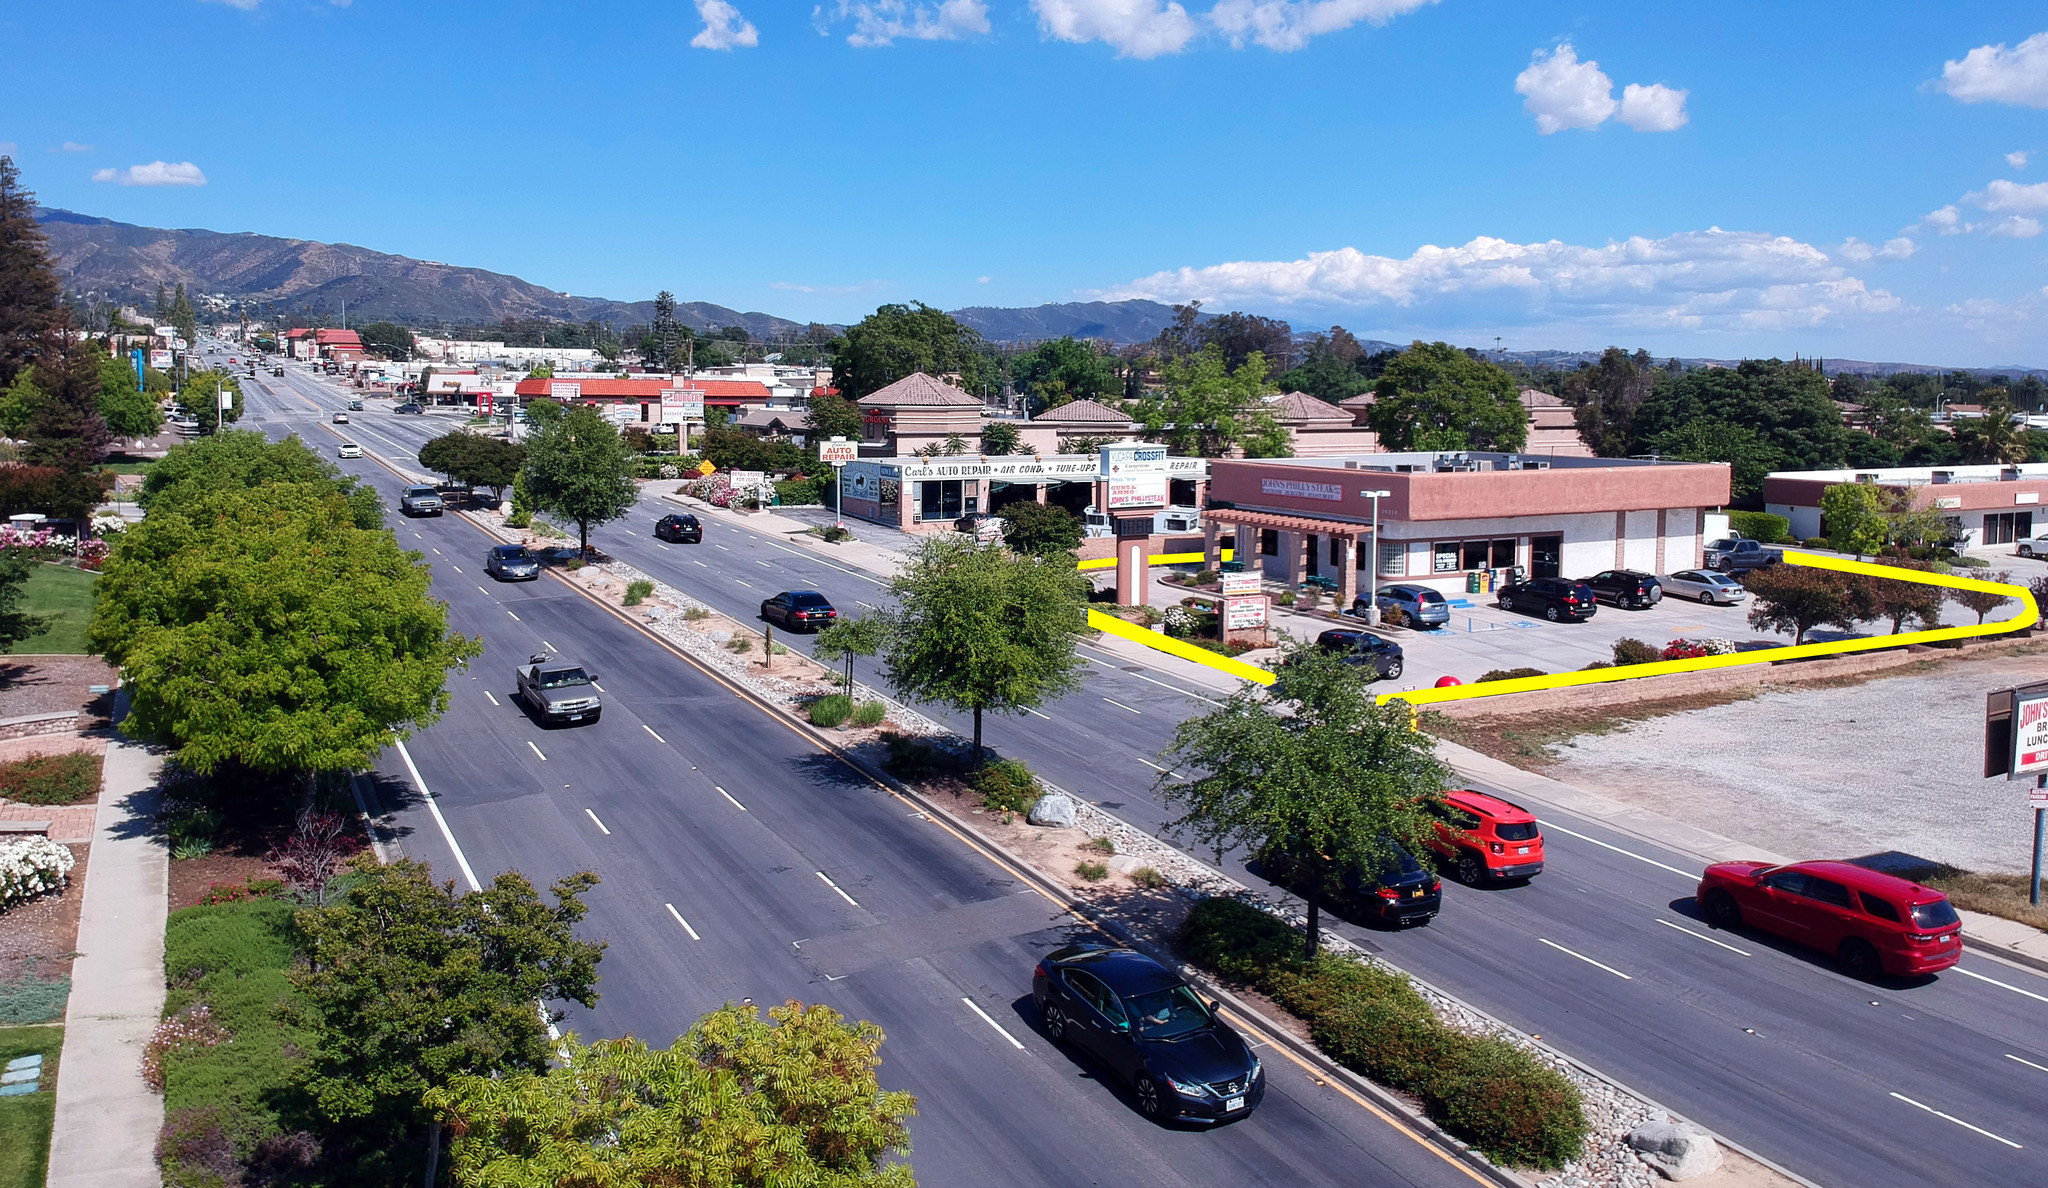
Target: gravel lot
x=1891, y=764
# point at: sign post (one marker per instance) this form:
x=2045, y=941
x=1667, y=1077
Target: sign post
x=1132, y=477
x=838, y=452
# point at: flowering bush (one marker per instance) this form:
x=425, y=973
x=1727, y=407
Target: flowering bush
x=194, y=1026
x=219, y=893
x=91, y=554
x=669, y=470
x=714, y=489
x=1689, y=649
x=31, y=866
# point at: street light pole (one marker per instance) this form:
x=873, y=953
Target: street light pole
x=1372, y=597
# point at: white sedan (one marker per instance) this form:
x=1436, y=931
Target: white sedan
x=1707, y=586
x=349, y=449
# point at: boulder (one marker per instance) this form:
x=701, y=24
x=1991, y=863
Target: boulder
x=1054, y=809
x=1677, y=1150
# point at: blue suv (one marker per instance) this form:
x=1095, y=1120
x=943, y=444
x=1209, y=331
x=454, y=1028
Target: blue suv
x=1423, y=606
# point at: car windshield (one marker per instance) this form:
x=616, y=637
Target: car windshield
x=1168, y=1014
x=562, y=678
x=808, y=600
x=514, y=553
x=1934, y=915
x=1516, y=830
x=419, y=490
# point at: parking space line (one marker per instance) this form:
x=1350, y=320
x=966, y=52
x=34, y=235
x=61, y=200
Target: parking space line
x=2001, y=985
x=685, y=923
x=1703, y=936
x=1958, y=1121
x=971, y=1005
x=537, y=751
x=487, y=693
x=600, y=824
x=1588, y=960
x=657, y=737
x=835, y=887
x=2028, y=1063
x=736, y=804
x=1617, y=849
x=1120, y=705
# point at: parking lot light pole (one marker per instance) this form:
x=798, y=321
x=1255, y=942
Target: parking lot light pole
x=1372, y=596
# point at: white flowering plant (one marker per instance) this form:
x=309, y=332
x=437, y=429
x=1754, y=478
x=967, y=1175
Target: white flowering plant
x=32, y=866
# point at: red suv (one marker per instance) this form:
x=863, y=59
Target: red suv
x=1487, y=838
x=1872, y=922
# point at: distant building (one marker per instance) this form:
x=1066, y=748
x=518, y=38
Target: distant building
x=1553, y=426
x=1055, y=430
x=916, y=412
x=1319, y=429
x=1985, y=506
x=637, y=399
x=339, y=346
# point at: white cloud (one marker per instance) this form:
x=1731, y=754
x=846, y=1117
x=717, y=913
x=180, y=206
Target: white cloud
x=881, y=22
x=2017, y=160
x=1995, y=74
x=724, y=27
x=156, y=173
x=72, y=146
x=1133, y=28
x=2002, y=195
x=1289, y=24
x=2015, y=227
x=980, y=280
x=1695, y=280
x=1894, y=249
x=1563, y=92
x=1655, y=108
x=1946, y=221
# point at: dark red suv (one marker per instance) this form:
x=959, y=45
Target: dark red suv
x=1486, y=838
x=1872, y=922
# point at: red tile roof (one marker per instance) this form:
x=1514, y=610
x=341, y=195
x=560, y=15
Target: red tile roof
x=339, y=338
x=921, y=390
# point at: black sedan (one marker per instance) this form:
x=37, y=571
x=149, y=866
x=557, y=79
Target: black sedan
x=1364, y=648
x=799, y=610
x=511, y=563
x=1151, y=1030
x=1554, y=598
x=680, y=529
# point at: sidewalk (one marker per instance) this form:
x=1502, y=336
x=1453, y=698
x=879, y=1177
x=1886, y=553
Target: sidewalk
x=107, y=1118
x=858, y=553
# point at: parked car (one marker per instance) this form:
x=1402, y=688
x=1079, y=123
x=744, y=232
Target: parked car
x=1874, y=923
x=558, y=691
x=1714, y=589
x=1554, y=598
x=1739, y=552
x=1486, y=839
x=984, y=526
x=348, y=449
x=1625, y=588
x=1423, y=606
x=799, y=610
x=1364, y=648
x=511, y=563
x=341, y=418
x=2037, y=547
x=1401, y=892
x=420, y=500
x=408, y=407
x=1150, y=1029
x=679, y=528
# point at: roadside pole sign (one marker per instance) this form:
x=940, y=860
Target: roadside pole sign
x=1239, y=583
x=838, y=451
x=747, y=478
x=2029, y=732
x=1244, y=614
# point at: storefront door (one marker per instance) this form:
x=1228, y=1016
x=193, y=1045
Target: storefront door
x=1546, y=556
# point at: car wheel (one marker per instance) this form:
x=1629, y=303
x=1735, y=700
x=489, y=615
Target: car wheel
x=1147, y=1091
x=1706, y=598
x=1506, y=603
x=1859, y=960
x=1721, y=910
x=1393, y=671
x=1469, y=870
x=1055, y=1020
x=1551, y=613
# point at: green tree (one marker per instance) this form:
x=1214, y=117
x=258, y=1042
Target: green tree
x=899, y=340
x=1897, y=602
x=1852, y=516
x=1605, y=396
x=735, y=1102
x=29, y=290
x=1994, y=437
x=1000, y=439
x=833, y=415
x=1750, y=458
x=848, y=638
x=1312, y=772
x=183, y=317
x=263, y=628
x=1796, y=598
x=388, y=339
x=1040, y=529
x=243, y=460
x=201, y=397
x=1788, y=406
x=577, y=466
x=409, y=986
x=127, y=409
x=1060, y=370
x=65, y=428
x=1436, y=397
x=1203, y=408
x=983, y=629
x=1983, y=601
x=474, y=460
x=1328, y=369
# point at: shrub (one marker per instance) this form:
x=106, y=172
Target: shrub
x=1483, y=1089
x=1683, y=649
x=1508, y=674
x=870, y=713
x=1634, y=651
x=1597, y=664
x=638, y=590
x=739, y=643
x=696, y=614
x=1150, y=879
x=219, y=893
x=831, y=710
x=1005, y=786
x=193, y=1027
x=776, y=649
x=912, y=758
x=1100, y=845
x=1094, y=872
x=196, y=1151
x=1815, y=542
x=1308, y=599
x=1394, y=616
x=1285, y=598
x=1971, y=562
x=32, y=866
x=51, y=779
x=1204, y=577
x=1763, y=526
x=573, y=564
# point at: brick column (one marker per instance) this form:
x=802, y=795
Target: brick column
x=1660, y=540
x=1212, y=544
x=1347, y=571
x=1291, y=545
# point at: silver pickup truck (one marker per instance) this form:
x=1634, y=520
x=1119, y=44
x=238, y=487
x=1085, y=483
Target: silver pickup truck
x=558, y=691
x=1737, y=553
x=420, y=500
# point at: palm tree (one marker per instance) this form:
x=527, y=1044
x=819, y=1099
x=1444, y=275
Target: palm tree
x=1994, y=437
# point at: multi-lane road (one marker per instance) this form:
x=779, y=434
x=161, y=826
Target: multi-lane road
x=1843, y=1082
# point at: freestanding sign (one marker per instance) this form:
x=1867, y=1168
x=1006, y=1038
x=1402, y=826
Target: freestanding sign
x=562, y=390
x=1244, y=614
x=2029, y=732
x=838, y=451
x=2016, y=747
x=1145, y=491
x=1238, y=584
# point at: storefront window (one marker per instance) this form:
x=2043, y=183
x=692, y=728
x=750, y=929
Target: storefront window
x=939, y=500
x=1446, y=557
x=1454, y=555
x=2006, y=527
x=1504, y=554
x=1269, y=542
x=1394, y=558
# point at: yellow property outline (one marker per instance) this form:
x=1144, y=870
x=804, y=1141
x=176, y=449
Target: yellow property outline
x=2030, y=614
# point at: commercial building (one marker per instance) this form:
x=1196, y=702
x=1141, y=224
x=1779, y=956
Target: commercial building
x=1458, y=522
x=919, y=412
x=1985, y=506
x=638, y=400
x=927, y=494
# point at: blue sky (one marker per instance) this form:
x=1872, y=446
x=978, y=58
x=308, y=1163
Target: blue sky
x=1859, y=180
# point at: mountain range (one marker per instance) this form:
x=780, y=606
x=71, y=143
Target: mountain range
x=273, y=276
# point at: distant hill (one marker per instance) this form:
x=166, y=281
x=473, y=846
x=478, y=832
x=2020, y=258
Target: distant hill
x=1118, y=321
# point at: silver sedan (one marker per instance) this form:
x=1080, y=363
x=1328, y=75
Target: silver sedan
x=1707, y=586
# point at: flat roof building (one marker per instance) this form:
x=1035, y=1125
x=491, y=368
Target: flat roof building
x=1986, y=505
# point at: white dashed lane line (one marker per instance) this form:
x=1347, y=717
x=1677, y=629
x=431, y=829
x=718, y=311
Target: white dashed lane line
x=1694, y=876
x=2028, y=1063
x=1958, y=1121
x=736, y=804
x=1120, y=705
x=835, y=887
x=600, y=824
x=1703, y=936
x=2001, y=985
x=537, y=751
x=657, y=737
x=487, y=693
x=685, y=923
x=992, y=1023
x=1588, y=960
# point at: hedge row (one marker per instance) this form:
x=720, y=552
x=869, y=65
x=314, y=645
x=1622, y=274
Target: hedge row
x=1767, y=527
x=1483, y=1089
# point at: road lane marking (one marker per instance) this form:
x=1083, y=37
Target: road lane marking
x=829, y=883
x=434, y=806
x=437, y=552
x=1617, y=849
x=1958, y=1121
x=992, y=1023
x=721, y=548
x=1150, y=681
x=536, y=750
x=2002, y=985
x=698, y=564
x=736, y=804
x=1120, y=705
x=1155, y=767
x=657, y=737
x=484, y=592
x=764, y=565
x=596, y=686
x=867, y=605
x=1588, y=960
x=456, y=568
x=487, y=693
x=1034, y=713
x=2028, y=1063
x=598, y=823
x=744, y=582
x=1703, y=936
x=685, y=923
x=664, y=548
x=550, y=647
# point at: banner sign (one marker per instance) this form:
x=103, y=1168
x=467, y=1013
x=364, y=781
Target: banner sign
x=681, y=404
x=1144, y=491
x=1244, y=614
x=747, y=478
x=2029, y=732
x=1239, y=583
x=564, y=391
x=161, y=360
x=1133, y=458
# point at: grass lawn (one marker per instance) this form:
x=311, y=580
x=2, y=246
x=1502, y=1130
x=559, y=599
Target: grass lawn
x=127, y=467
x=25, y=1121
x=65, y=593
